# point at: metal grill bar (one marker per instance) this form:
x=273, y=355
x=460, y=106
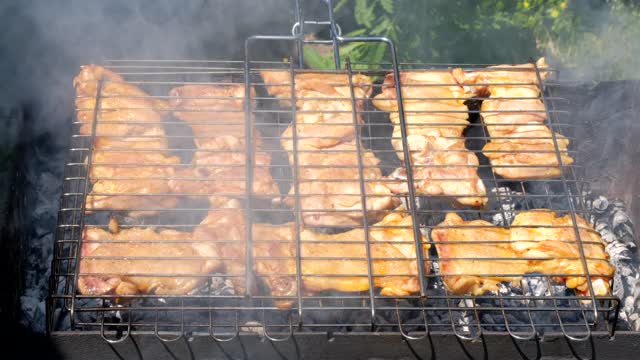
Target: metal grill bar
x=296, y=184
x=85, y=192
x=249, y=160
x=572, y=210
x=363, y=194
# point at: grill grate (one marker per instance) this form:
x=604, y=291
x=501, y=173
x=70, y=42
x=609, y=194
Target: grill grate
x=217, y=308
x=214, y=309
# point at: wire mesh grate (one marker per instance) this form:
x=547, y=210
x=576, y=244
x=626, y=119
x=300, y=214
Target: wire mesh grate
x=220, y=254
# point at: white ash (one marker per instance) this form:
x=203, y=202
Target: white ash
x=534, y=286
x=507, y=205
x=221, y=286
x=253, y=327
x=466, y=321
x=610, y=219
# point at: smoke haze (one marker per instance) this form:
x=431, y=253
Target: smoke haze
x=43, y=43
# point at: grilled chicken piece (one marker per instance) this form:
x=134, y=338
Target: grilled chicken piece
x=278, y=84
x=210, y=105
x=122, y=122
x=327, y=153
x=125, y=110
x=325, y=106
x=329, y=187
x=224, y=227
x=435, y=118
x=131, y=166
x=521, y=145
x=110, y=195
x=541, y=233
x=504, y=75
x=393, y=251
x=217, y=117
x=476, y=255
x=132, y=181
x=528, y=158
x=144, y=261
x=339, y=261
x=219, y=168
x=113, y=85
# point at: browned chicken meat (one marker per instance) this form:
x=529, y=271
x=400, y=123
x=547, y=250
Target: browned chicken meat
x=339, y=261
x=131, y=181
x=130, y=165
x=475, y=256
x=211, y=109
x=329, y=262
x=327, y=150
x=325, y=111
x=329, y=188
x=222, y=171
x=124, y=111
x=521, y=145
x=144, y=261
x=224, y=227
x=435, y=117
x=217, y=117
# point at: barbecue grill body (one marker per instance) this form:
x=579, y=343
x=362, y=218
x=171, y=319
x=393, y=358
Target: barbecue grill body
x=122, y=324
x=439, y=309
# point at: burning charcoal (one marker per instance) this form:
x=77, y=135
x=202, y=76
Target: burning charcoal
x=465, y=319
x=612, y=222
x=507, y=205
x=600, y=204
x=221, y=286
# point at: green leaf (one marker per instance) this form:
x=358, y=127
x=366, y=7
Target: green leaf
x=379, y=53
x=357, y=32
x=364, y=13
x=387, y=5
x=316, y=61
x=350, y=48
x=383, y=27
x=340, y=5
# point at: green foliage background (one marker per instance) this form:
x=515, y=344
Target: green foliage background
x=599, y=39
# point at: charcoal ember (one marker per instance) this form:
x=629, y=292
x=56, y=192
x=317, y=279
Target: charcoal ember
x=600, y=204
x=42, y=169
x=611, y=220
x=221, y=286
x=32, y=310
x=507, y=205
x=401, y=319
x=534, y=286
x=545, y=188
x=465, y=321
x=253, y=327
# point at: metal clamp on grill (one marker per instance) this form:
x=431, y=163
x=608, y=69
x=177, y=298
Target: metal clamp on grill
x=226, y=198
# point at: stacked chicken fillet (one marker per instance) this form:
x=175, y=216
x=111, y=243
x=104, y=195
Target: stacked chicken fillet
x=216, y=116
x=337, y=184
x=435, y=117
x=145, y=260
x=326, y=149
x=475, y=256
x=130, y=171
x=521, y=146
x=130, y=162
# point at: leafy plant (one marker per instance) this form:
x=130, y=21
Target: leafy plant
x=377, y=18
x=598, y=38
